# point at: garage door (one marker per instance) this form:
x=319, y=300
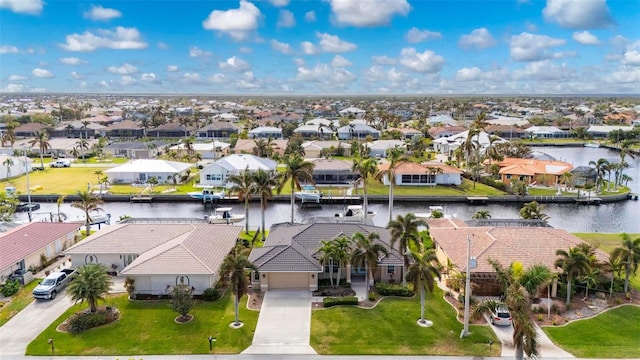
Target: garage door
x=288, y=281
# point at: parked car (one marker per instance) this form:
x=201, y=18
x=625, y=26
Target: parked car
x=61, y=163
x=501, y=316
x=53, y=284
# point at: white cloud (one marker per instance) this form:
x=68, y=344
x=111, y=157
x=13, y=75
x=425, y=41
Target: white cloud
x=8, y=49
x=469, y=74
x=544, y=70
x=478, y=39
x=237, y=23
x=148, y=77
x=323, y=73
x=310, y=16
x=531, y=47
x=17, y=78
x=281, y=47
x=217, y=78
x=367, y=13
x=173, y=68
x=192, y=78
x=127, y=80
x=14, y=88
x=333, y=44
x=38, y=90
x=196, y=52
x=299, y=62
x=162, y=45
x=383, y=60
x=125, y=69
x=426, y=62
x=32, y=7
x=631, y=57
x=286, y=19
x=578, y=14
x=625, y=75
x=42, y=73
x=308, y=48
x=75, y=75
x=585, y=38
x=120, y=39
x=72, y=61
x=415, y=35
x=339, y=61
x=279, y=3
x=245, y=50
x=234, y=63
x=99, y=13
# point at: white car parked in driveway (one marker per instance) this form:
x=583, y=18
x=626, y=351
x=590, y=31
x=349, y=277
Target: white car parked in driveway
x=501, y=316
x=61, y=163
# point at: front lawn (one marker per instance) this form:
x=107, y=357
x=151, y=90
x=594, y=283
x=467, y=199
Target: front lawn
x=148, y=327
x=613, y=334
x=391, y=328
x=19, y=301
x=466, y=189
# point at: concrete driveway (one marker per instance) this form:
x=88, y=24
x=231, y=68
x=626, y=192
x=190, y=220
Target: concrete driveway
x=284, y=324
x=18, y=332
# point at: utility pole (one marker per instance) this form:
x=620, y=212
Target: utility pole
x=26, y=167
x=471, y=263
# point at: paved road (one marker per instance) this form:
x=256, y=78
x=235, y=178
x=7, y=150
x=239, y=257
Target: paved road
x=18, y=332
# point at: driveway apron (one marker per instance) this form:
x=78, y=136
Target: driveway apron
x=284, y=324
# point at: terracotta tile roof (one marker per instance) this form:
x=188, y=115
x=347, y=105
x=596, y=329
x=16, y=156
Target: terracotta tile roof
x=22, y=241
x=415, y=168
x=517, y=166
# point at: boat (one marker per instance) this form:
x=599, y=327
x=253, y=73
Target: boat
x=432, y=211
x=25, y=207
x=356, y=212
x=592, y=145
x=207, y=195
x=224, y=215
x=309, y=193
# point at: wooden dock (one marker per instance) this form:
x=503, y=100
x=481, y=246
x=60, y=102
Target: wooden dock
x=141, y=198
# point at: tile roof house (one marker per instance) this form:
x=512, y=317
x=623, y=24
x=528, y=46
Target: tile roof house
x=447, y=145
x=379, y=148
x=332, y=171
x=246, y=146
x=125, y=129
x=409, y=173
x=357, y=129
x=438, y=132
x=23, y=247
x=217, y=130
x=290, y=258
x=529, y=246
x=136, y=149
x=217, y=173
x=141, y=170
x=29, y=129
x=532, y=171
x=315, y=148
x=265, y=132
x=159, y=256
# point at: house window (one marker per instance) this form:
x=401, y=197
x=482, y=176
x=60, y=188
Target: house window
x=256, y=276
x=391, y=269
x=214, y=177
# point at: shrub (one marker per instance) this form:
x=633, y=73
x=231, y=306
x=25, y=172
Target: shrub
x=211, y=294
x=10, y=287
x=386, y=289
x=85, y=321
x=569, y=306
x=618, y=301
x=372, y=296
x=333, y=301
x=181, y=300
x=540, y=317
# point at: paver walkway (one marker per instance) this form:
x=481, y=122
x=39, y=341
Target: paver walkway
x=284, y=325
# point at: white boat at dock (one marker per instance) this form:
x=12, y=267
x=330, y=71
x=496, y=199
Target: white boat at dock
x=309, y=193
x=356, y=212
x=224, y=215
x=433, y=211
x=207, y=194
x=592, y=145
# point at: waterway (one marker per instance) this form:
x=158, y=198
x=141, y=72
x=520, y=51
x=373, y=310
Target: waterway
x=614, y=217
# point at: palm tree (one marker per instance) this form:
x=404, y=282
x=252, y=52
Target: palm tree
x=367, y=252
x=297, y=170
x=567, y=179
x=88, y=203
x=263, y=184
x=61, y=216
x=9, y=134
x=90, y=283
x=83, y=144
x=573, y=263
x=326, y=251
x=366, y=167
x=421, y=273
x=394, y=157
x=482, y=214
x=629, y=255
x=42, y=140
x=404, y=231
x=8, y=163
x=98, y=173
x=235, y=267
x=243, y=186
x=341, y=253
x=599, y=166
x=533, y=211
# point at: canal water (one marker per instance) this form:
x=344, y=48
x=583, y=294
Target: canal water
x=615, y=217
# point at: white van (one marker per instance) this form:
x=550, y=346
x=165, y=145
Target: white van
x=61, y=163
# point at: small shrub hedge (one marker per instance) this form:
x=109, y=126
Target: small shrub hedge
x=10, y=287
x=386, y=289
x=333, y=301
x=85, y=321
x=211, y=294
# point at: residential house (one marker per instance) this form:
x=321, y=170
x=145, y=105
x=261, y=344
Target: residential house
x=78, y=129
x=546, y=132
x=265, y=132
x=506, y=131
x=246, y=146
x=14, y=166
x=430, y=173
x=333, y=172
x=448, y=145
x=136, y=149
x=226, y=117
x=317, y=148
x=27, y=246
x=532, y=171
x=125, y=129
x=160, y=256
x=584, y=176
x=357, y=129
x=602, y=131
x=29, y=130
x=309, y=131
x=380, y=148
x=206, y=150
x=217, y=130
x=217, y=173
x=170, y=130
x=438, y=132
x=440, y=120
x=141, y=170
x=290, y=256
x=408, y=133
x=352, y=112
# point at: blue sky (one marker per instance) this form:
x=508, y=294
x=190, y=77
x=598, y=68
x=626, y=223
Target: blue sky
x=321, y=46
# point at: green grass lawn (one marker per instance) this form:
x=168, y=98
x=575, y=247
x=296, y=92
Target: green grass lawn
x=391, y=328
x=19, y=301
x=148, y=327
x=617, y=335
x=466, y=189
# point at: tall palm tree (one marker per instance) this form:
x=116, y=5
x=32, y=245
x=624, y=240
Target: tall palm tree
x=599, y=166
x=61, y=216
x=394, y=157
x=573, y=263
x=235, y=266
x=9, y=134
x=366, y=167
x=42, y=140
x=482, y=214
x=83, y=145
x=8, y=163
x=296, y=170
x=404, y=231
x=243, y=186
x=88, y=203
x=341, y=253
x=421, y=273
x=629, y=255
x=326, y=253
x=263, y=184
x=90, y=283
x=368, y=250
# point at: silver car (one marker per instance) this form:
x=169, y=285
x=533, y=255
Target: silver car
x=501, y=316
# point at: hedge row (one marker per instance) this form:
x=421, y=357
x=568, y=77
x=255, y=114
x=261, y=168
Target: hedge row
x=386, y=289
x=345, y=300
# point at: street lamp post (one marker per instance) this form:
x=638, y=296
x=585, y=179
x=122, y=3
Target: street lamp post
x=471, y=263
